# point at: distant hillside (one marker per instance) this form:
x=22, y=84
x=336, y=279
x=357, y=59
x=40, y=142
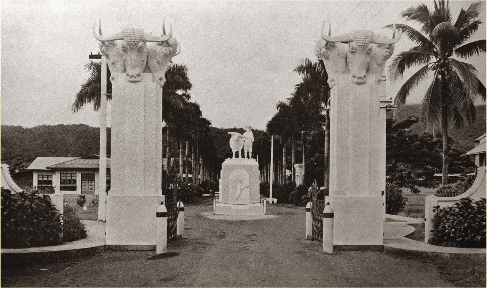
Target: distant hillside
x=80, y=140
x=463, y=137
x=48, y=140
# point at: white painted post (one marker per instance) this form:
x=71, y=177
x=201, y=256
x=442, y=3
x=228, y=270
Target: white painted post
x=180, y=222
x=309, y=222
x=272, y=168
x=328, y=216
x=102, y=173
x=265, y=206
x=161, y=219
x=430, y=203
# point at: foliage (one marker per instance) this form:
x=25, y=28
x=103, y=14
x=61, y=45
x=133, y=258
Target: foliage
x=299, y=195
x=395, y=201
x=265, y=188
x=450, y=95
x=73, y=228
x=187, y=192
x=462, y=224
x=454, y=189
x=413, y=159
x=29, y=220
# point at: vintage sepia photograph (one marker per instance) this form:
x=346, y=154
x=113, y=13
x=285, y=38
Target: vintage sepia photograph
x=240, y=143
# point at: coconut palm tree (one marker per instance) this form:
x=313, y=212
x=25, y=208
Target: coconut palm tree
x=440, y=45
x=311, y=96
x=175, y=90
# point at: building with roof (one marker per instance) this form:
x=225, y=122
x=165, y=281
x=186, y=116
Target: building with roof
x=68, y=175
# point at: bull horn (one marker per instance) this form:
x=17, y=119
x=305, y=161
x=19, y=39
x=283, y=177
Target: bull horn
x=178, y=49
x=329, y=38
x=163, y=37
x=386, y=41
x=97, y=34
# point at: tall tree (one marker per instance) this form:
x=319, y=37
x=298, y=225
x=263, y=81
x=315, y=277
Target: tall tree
x=454, y=83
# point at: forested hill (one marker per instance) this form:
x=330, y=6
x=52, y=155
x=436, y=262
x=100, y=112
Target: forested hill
x=82, y=140
x=79, y=140
x=463, y=137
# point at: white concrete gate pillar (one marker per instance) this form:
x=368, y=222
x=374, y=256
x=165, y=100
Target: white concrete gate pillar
x=138, y=67
x=355, y=64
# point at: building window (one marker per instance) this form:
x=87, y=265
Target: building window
x=68, y=181
x=44, y=180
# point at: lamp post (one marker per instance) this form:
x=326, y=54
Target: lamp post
x=102, y=172
x=326, y=148
x=164, y=125
x=304, y=155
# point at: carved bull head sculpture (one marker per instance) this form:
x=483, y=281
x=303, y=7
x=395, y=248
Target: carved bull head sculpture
x=160, y=55
x=358, y=53
x=130, y=56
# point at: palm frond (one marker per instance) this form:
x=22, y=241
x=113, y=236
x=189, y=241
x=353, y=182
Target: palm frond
x=469, y=49
x=465, y=16
x=412, y=82
x=407, y=59
x=422, y=15
x=431, y=103
x=466, y=32
x=415, y=36
x=90, y=90
x=467, y=75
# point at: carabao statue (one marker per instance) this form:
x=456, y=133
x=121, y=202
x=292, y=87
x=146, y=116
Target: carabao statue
x=236, y=143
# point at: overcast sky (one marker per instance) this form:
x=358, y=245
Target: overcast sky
x=240, y=54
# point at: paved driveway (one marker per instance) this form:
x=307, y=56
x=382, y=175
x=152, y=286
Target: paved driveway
x=266, y=252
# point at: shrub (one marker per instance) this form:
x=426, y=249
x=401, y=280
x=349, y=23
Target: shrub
x=29, y=220
x=395, y=202
x=462, y=224
x=186, y=193
x=73, y=228
x=454, y=189
x=299, y=195
x=282, y=192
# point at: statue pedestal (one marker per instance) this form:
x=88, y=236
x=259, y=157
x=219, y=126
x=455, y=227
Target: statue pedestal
x=355, y=159
x=240, y=189
x=136, y=162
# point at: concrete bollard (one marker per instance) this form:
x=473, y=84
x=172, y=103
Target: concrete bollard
x=265, y=206
x=180, y=223
x=161, y=222
x=309, y=222
x=328, y=216
x=214, y=205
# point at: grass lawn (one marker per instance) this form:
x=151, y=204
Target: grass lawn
x=415, y=203
x=89, y=212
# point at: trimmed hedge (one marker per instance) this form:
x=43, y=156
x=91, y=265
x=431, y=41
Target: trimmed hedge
x=454, y=189
x=461, y=225
x=73, y=228
x=29, y=220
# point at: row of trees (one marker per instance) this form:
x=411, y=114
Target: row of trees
x=439, y=47
x=186, y=132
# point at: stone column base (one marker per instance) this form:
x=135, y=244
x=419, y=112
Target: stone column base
x=358, y=221
x=229, y=209
x=131, y=220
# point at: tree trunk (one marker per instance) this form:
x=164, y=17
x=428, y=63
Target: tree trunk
x=186, y=162
x=304, y=159
x=181, y=160
x=168, y=151
x=193, y=166
x=293, y=159
x=444, y=130
x=283, y=162
x=326, y=153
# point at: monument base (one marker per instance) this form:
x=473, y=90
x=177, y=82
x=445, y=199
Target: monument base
x=229, y=209
x=358, y=221
x=131, y=220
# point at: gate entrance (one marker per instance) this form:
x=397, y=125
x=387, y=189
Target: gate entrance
x=317, y=206
x=171, y=202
